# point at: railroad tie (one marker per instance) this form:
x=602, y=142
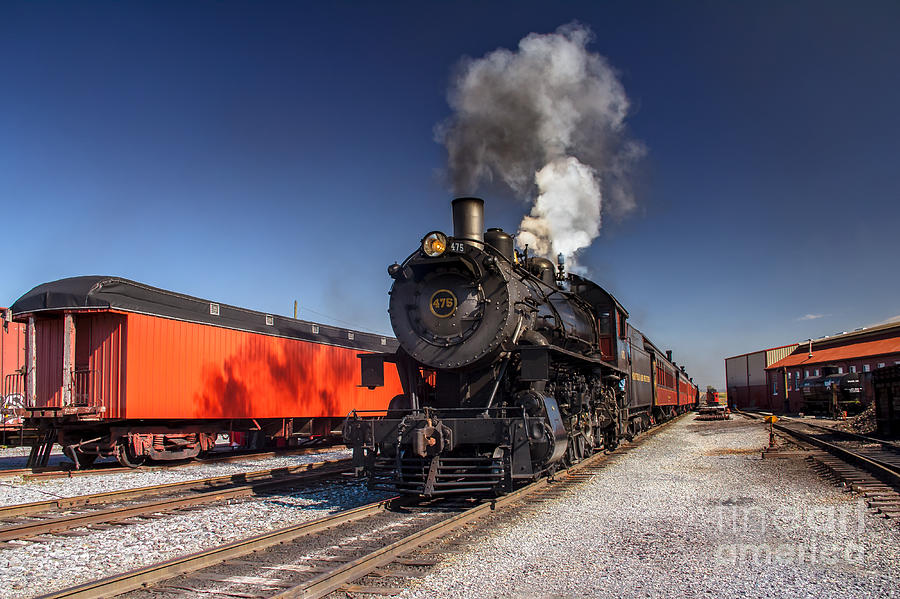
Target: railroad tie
x=413, y=561
x=260, y=581
x=41, y=539
x=173, y=589
x=389, y=572
x=299, y=568
x=371, y=590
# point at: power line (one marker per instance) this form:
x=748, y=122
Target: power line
x=345, y=322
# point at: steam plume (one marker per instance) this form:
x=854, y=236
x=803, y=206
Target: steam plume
x=548, y=122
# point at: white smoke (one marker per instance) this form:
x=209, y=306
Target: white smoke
x=567, y=211
x=548, y=122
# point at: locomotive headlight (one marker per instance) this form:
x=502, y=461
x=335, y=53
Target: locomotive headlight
x=434, y=244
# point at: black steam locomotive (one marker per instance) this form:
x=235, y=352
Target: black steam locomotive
x=833, y=392
x=511, y=368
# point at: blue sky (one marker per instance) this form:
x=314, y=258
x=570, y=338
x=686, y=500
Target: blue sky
x=258, y=153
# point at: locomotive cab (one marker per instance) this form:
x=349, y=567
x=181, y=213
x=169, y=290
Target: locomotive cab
x=611, y=317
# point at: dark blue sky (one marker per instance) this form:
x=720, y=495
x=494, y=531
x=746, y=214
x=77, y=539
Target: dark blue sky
x=258, y=153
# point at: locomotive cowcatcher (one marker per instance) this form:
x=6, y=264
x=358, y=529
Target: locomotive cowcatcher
x=511, y=368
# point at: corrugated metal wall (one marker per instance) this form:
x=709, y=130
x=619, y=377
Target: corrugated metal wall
x=756, y=369
x=183, y=370
x=736, y=372
x=774, y=355
x=746, y=380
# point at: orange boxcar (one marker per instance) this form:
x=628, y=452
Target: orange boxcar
x=12, y=381
x=121, y=368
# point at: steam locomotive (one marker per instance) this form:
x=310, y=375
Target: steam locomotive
x=833, y=392
x=511, y=369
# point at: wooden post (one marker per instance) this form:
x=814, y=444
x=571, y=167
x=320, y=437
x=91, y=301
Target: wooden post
x=68, y=358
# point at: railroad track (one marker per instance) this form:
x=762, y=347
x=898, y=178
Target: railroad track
x=33, y=521
x=394, y=539
x=864, y=465
x=890, y=445
x=67, y=470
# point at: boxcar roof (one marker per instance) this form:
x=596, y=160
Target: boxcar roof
x=114, y=293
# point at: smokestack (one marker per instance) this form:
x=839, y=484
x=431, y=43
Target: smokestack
x=468, y=219
x=669, y=355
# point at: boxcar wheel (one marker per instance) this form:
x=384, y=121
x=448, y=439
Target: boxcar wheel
x=127, y=460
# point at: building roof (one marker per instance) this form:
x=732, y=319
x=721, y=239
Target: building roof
x=760, y=351
x=98, y=293
x=849, y=351
x=860, y=332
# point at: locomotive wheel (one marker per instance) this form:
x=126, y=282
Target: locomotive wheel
x=575, y=449
x=129, y=461
x=611, y=439
x=581, y=447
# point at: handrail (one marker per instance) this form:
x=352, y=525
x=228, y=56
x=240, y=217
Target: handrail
x=81, y=386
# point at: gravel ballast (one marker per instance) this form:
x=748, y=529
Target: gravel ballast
x=694, y=511
x=15, y=490
x=32, y=569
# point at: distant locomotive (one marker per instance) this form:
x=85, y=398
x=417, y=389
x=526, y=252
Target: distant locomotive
x=833, y=392
x=716, y=398
x=714, y=405
x=511, y=369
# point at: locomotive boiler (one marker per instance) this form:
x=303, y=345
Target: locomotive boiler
x=511, y=368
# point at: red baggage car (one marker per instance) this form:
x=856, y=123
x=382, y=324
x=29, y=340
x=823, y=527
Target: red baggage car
x=115, y=367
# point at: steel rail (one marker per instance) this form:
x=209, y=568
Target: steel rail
x=328, y=582
x=52, y=525
x=45, y=472
x=880, y=469
x=61, y=470
x=142, y=577
x=24, y=509
x=852, y=435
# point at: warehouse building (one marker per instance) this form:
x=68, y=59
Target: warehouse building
x=860, y=351
x=745, y=377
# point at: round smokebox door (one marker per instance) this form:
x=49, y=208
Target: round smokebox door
x=449, y=307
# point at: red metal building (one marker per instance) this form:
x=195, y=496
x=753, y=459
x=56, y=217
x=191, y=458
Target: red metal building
x=860, y=351
x=118, y=367
x=745, y=378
